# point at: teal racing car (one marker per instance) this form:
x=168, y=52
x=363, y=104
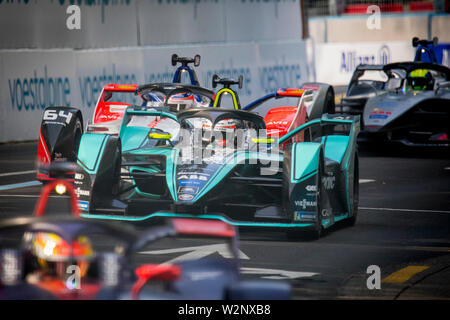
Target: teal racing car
x=218, y=163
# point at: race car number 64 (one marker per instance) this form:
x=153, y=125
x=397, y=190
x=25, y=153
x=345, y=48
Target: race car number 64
x=53, y=115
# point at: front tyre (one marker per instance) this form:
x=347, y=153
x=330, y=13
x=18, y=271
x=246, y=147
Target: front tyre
x=329, y=105
x=355, y=194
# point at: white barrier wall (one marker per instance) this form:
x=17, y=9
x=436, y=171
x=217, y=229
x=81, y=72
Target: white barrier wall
x=121, y=23
x=335, y=62
x=34, y=79
x=440, y=26
x=42, y=24
x=393, y=27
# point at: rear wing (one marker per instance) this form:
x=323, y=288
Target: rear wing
x=120, y=87
x=375, y=67
x=305, y=91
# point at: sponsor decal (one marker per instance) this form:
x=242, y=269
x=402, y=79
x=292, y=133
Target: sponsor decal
x=326, y=212
x=298, y=215
x=83, y=205
x=328, y=182
x=305, y=204
x=186, y=197
x=79, y=192
x=277, y=123
x=79, y=176
x=193, y=190
x=189, y=183
x=378, y=113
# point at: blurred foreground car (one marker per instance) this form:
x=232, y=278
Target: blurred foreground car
x=72, y=258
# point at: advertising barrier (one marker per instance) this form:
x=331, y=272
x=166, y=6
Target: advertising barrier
x=335, y=62
x=31, y=80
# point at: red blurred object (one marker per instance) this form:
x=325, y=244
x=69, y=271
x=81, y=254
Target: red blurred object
x=165, y=272
x=48, y=188
x=204, y=228
x=43, y=158
x=362, y=8
x=421, y=6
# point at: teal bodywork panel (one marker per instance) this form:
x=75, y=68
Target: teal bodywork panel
x=305, y=159
x=335, y=147
x=90, y=150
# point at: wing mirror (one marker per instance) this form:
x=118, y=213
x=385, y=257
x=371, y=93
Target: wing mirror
x=442, y=85
x=160, y=135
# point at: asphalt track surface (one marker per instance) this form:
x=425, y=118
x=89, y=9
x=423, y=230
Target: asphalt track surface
x=403, y=227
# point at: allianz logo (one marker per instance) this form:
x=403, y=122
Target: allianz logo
x=79, y=176
x=328, y=182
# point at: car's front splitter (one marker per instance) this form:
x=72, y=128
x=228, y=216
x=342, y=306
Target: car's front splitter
x=203, y=216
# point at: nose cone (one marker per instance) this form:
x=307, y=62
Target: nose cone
x=191, y=179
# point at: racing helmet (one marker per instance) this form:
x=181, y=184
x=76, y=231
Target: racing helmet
x=54, y=254
x=420, y=79
x=179, y=102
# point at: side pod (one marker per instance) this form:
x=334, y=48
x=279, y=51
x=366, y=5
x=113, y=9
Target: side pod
x=99, y=160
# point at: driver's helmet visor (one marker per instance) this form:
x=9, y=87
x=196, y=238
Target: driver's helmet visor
x=51, y=247
x=179, y=102
x=419, y=79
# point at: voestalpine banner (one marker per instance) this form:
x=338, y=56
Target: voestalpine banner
x=31, y=80
x=335, y=62
x=120, y=23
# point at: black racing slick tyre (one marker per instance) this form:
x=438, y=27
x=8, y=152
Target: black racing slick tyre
x=318, y=228
x=351, y=221
x=330, y=105
x=78, y=132
x=117, y=169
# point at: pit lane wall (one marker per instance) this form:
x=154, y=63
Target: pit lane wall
x=34, y=79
